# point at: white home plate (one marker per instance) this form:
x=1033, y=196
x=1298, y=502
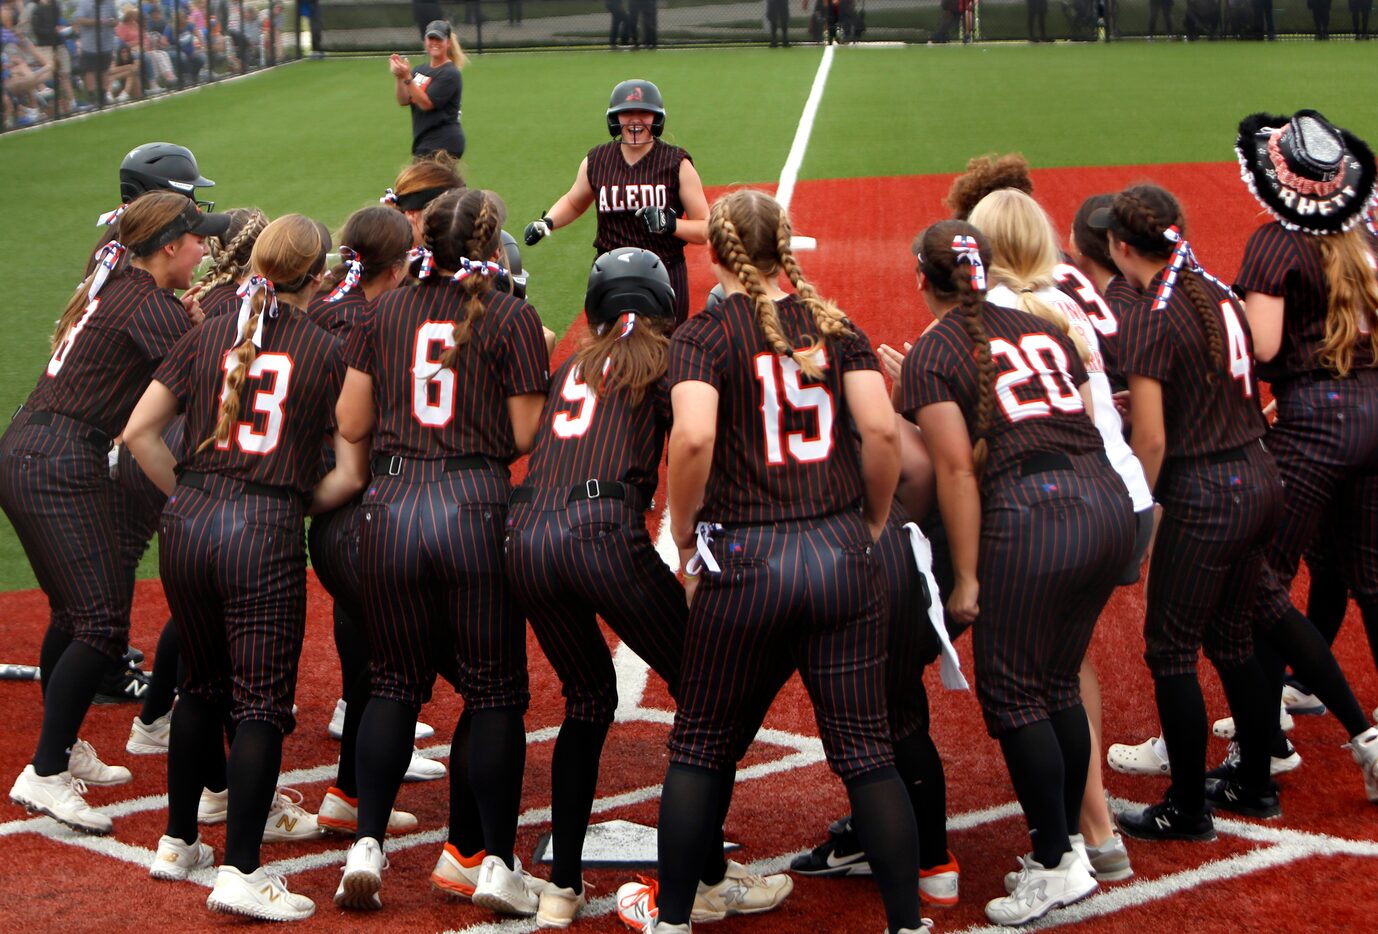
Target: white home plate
x=613, y=843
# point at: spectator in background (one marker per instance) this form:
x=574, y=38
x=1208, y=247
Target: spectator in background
x=1162, y=8
x=1038, y=20
x=45, y=22
x=777, y=15
x=193, y=60
x=514, y=12
x=1263, y=20
x=1320, y=15
x=311, y=9
x=1358, y=12
x=95, y=21
x=124, y=75
x=425, y=12
x=644, y=17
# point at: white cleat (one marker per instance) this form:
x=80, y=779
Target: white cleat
x=259, y=894
x=507, y=891
x=175, y=859
x=86, y=766
x=1038, y=890
x=288, y=820
x=149, y=739
x=1364, y=749
x=339, y=813
x=337, y=718
x=422, y=769
x=60, y=797
x=362, y=876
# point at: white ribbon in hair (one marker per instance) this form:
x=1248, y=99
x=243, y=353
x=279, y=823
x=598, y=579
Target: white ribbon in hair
x=389, y=197
x=627, y=327
x=106, y=261
x=246, y=294
x=951, y=667
x=109, y=217
x=702, y=558
x=968, y=251
x=427, y=261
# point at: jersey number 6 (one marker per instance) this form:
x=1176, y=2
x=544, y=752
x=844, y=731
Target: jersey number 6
x=433, y=385
x=780, y=388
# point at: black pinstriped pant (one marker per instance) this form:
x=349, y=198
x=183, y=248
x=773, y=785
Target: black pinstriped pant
x=571, y=563
x=679, y=281
x=435, y=599
x=1325, y=441
x=1208, y=558
x=55, y=488
x=1053, y=544
x=806, y=594
x=233, y=565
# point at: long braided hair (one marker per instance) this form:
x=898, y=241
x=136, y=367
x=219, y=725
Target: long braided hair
x=230, y=258
x=463, y=229
x=750, y=232
x=953, y=276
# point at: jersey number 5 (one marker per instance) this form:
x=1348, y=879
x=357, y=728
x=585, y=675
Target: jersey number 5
x=1031, y=358
x=276, y=370
x=780, y=388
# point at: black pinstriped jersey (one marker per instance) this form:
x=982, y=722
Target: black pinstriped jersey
x=105, y=361
x=784, y=447
x=340, y=316
x=221, y=300
x=425, y=410
x=620, y=190
x=286, y=403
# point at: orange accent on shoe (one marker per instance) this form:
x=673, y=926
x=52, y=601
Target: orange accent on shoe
x=949, y=866
x=335, y=790
x=468, y=862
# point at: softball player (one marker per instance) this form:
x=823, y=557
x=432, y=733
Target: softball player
x=449, y=378
x=1310, y=294
x=1046, y=489
x=375, y=243
x=648, y=193
x=233, y=557
x=427, y=178
x=791, y=503
x=1196, y=427
x=55, y=480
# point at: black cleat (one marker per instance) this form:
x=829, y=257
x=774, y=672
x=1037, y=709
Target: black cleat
x=125, y=684
x=1229, y=795
x=1163, y=821
x=839, y=855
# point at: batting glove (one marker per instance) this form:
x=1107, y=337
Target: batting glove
x=658, y=220
x=536, y=231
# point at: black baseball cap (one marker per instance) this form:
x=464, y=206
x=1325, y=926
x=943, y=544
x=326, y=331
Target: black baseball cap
x=438, y=29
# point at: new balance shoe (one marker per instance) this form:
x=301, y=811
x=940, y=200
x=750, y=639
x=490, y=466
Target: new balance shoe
x=1226, y=794
x=559, y=907
x=362, y=876
x=339, y=813
x=506, y=891
x=86, y=766
x=1277, y=765
x=1364, y=749
x=149, y=739
x=259, y=894
x=1225, y=728
x=941, y=884
x=422, y=769
x=60, y=797
x=839, y=855
x=1165, y=821
x=1078, y=844
x=740, y=892
x=1040, y=889
x=1147, y=758
x=1109, y=860
x=337, y=718
x=176, y=859
x=288, y=820
x=213, y=806
x=1299, y=701
x=636, y=903
x=455, y=874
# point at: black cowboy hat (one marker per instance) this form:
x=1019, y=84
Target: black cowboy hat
x=1308, y=173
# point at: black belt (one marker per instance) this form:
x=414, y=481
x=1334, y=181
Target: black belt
x=589, y=489
x=201, y=481
x=1038, y=463
x=83, y=430
x=1240, y=453
x=395, y=465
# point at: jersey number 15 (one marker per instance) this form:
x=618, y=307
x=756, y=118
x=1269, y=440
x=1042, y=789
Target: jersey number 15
x=780, y=390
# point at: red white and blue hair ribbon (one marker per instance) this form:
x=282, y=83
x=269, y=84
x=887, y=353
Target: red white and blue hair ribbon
x=110, y=217
x=1183, y=257
x=389, y=197
x=427, y=261
x=471, y=267
x=967, y=250
x=628, y=325
x=246, y=294
x=106, y=261
x=352, y=277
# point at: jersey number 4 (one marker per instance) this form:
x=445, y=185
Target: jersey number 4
x=274, y=373
x=1037, y=355
x=780, y=389
x=1240, y=366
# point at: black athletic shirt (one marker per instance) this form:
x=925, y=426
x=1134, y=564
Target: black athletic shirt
x=438, y=128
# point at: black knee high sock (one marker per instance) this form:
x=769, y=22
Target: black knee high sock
x=884, y=821
x=1182, y=714
x=1074, y=737
x=573, y=784
x=1368, y=608
x=1298, y=642
x=1255, y=719
x=386, y=738
x=352, y=646
x=466, y=827
x=195, y=750
x=55, y=642
x=70, y=690
x=714, y=856
x=690, y=793
x=921, y=769
x=255, y=760
x=1327, y=599
x=497, y=760
x=1034, y=760
x=162, y=683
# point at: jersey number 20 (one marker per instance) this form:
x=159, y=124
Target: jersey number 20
x=780, y=388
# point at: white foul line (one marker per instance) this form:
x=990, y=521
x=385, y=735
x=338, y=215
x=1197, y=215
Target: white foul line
x=790, y=175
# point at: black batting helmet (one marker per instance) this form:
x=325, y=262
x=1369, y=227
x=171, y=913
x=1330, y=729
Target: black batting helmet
x=628, y=280
x=716, y=296
x=158, y=167
x=636, y=94
x=513, y=254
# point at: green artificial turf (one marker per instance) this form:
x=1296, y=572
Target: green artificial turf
x=324, y=138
